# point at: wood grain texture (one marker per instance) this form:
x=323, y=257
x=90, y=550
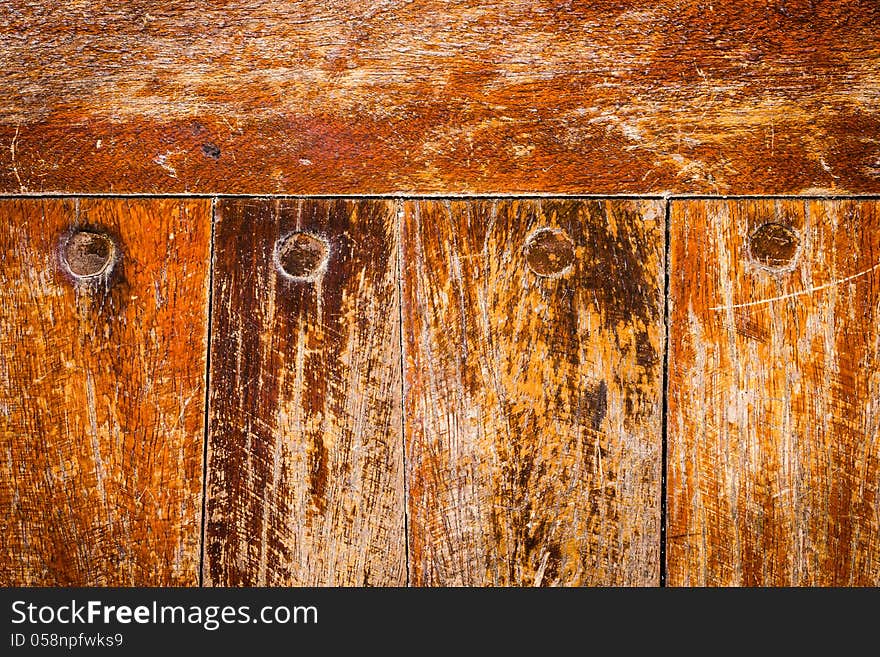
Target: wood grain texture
x=774, y=458
x=533, y=403
x=305, y=481
x=102, y=389
x=277, y=96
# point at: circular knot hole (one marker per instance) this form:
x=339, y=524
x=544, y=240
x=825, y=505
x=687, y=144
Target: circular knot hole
x=774, y=245
x=302, y=256
x=88, y=254
x=549, y=252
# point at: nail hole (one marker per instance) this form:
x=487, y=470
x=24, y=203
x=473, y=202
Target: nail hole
x=549, y=252
x=774, y=246
x=211, y=150
x=302, y=256
x=88, y=254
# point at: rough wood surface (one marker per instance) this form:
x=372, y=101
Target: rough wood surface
x=533, y=338
x=305, y=469
x=757, y=96
x=102, y=390
x=774, y=458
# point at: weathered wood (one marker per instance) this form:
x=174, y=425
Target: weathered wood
x=639, y=96
x=774, y=458
x=102, y=389
x=305, y=476
x=533, y=338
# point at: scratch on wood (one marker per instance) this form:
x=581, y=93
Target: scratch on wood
x=21, y=186
x=792, y=295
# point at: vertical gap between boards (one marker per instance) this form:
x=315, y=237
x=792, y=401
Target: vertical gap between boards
x=207, y=400
x=664, y=415
x=399, y=217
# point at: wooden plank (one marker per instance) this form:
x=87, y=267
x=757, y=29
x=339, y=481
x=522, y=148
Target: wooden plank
x=290, y=96
x=103, y=340
x=305, y=480
x=533, y=336
x=774, y=458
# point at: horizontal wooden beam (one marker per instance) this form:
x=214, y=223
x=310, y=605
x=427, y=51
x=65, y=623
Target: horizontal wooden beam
x=420, y=97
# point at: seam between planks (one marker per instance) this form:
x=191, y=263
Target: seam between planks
x=207, y=419
x=399, y=228
x=664, y=408
x=401, y=196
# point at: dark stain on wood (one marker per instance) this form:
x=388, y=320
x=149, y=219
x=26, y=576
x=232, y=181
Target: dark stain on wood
x=597, y=404
x=211, y=151
x=619, y=256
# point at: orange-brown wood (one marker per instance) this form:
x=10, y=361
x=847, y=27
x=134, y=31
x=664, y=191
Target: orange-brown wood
x=637, y=96
x=102, y=389
x=774, y=458
x=533, y=338
x=305, y=467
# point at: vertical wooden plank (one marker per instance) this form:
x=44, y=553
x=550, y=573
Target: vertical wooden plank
x=102, y=390
x=533, y=336
x=774, y=397
x=305, y=481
